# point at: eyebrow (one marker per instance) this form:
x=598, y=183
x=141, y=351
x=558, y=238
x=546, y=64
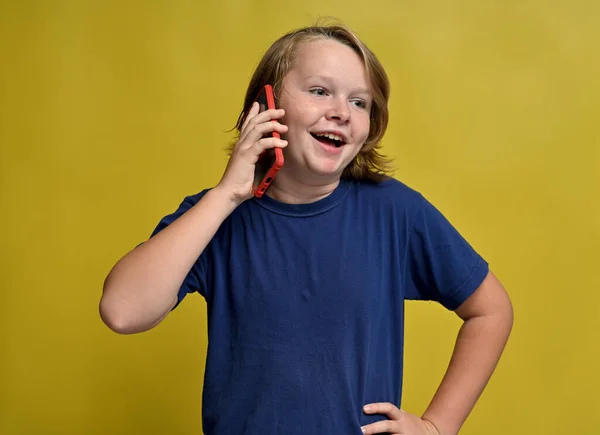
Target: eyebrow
x=330, y=79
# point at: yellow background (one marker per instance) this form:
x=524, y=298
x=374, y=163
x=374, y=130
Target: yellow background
x=111, y=112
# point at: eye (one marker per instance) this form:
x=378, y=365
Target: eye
x=360, y=103
x=321, y=92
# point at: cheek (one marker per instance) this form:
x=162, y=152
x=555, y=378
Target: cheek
x=363, y=128
x=299, y=118
x=302, y=111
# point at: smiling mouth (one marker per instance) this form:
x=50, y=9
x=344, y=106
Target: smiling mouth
x=328, y=139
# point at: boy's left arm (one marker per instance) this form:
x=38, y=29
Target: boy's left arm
x=488, y=319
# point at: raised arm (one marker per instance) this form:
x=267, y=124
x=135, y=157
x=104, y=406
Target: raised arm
x=142, y=287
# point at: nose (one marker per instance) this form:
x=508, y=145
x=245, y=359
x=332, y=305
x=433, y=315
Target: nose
x=338, y=110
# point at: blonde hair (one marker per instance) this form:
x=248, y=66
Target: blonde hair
x=370, y=163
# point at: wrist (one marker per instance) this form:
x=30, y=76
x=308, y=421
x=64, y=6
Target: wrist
x=431, y=427
x=226, y=199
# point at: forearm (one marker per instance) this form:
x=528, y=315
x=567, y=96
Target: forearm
x=142, y=287
x=479, y=345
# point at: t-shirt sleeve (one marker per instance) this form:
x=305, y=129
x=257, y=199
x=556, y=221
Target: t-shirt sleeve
x=441, y=265
x=195, y=281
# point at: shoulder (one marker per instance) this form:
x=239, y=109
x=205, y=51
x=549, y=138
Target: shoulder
x=187, y=203
x=191, y=200
x=389, y=192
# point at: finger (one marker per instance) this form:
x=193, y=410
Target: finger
x=254, y=109
x=267, y=143
x=386, y=408
x=269, y=114
x=385, y=426
x=260, y=130
x=260, y=118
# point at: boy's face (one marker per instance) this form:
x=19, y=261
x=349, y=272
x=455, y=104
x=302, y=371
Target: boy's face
x=325, y=93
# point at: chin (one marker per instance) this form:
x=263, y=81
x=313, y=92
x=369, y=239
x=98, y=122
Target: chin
x=326, y=171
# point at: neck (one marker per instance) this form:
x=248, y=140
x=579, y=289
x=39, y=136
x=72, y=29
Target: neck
x=290, y=190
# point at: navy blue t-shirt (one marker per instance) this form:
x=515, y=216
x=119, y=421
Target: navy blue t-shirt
x=306, y=305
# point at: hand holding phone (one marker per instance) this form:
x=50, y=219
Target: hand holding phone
x=271, y=160
x=256, y=157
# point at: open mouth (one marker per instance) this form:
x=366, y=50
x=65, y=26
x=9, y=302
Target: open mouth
x=329, y=139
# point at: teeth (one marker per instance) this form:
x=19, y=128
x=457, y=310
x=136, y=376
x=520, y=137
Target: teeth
x=331, y=136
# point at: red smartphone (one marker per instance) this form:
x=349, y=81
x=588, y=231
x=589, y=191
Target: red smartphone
x=271, y=160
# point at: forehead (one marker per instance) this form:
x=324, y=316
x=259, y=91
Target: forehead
x=327, y=57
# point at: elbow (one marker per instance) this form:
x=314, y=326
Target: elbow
x=112, y=318
x=113, y=309
x=124, y=313
x=116, y=318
